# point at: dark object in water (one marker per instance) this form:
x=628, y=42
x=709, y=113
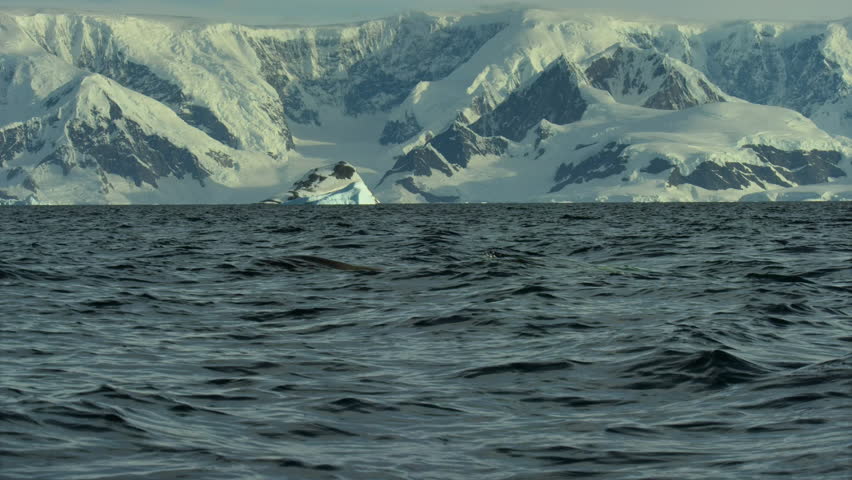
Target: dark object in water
x=334, y=264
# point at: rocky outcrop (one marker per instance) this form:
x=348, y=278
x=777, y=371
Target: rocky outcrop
x=118, y=145
x=421, y=162
x=800, y=167
x=731, y=175
x=656, y=166
x=759, y=63
x=779, y=168
x=15, y=140
x=553, y=96
x=448, y=152
x=370, y=69
x=399, y=131
x=651, y=79
x=108, y=58
x=606, y=163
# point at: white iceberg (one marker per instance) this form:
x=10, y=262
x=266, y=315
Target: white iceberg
x=337, y=184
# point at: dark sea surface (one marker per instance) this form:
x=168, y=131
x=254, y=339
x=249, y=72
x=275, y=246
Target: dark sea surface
x=709, y=341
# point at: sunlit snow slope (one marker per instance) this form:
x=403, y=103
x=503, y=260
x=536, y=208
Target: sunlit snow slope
x=521, y=105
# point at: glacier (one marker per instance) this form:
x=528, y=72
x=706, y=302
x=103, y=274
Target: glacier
x=521, y=105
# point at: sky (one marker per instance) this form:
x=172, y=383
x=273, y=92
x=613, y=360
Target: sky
x=331, y=11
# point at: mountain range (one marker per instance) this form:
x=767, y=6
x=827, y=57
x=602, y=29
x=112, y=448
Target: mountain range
x=510, y=106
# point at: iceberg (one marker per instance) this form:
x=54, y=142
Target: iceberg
x=337, y=184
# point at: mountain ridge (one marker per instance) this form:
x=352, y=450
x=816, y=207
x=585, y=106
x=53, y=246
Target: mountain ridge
x=273, y=102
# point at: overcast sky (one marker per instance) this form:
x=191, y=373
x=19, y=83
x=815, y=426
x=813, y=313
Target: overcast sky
x=329, y=11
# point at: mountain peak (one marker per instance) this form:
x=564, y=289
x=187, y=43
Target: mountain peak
x=129, y=109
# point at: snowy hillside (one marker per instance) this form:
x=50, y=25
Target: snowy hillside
x=522, y=105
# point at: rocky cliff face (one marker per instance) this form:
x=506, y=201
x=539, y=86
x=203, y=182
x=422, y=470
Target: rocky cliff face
x=553, y=96
x=776, y=65
x=445, y=154
x=367, y=68
x=651, y=79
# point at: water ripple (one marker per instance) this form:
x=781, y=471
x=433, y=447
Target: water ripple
x=434, y=342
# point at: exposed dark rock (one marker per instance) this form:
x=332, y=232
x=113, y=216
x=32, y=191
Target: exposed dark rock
x=273, y=55
x=398, y=131
x=657, y=165
x=13, y=173
x=222, y=159
x=20, y=139
x=343, y=171
x=420, y=161
x=203, y=119
x=641, y=40
x=553, y=96
x=381, y=67
x=542, y=133
x=374, y=90
x=408, y=184
x=783, y=168
x=606, y=68
x=60, y=93
x=674, y=94
x=770, y=72
x=279, y=120
x=458, y=144
x=337, y=183
x=732, y=175
x=20, y=176
x=130, y=152
x=6, y=196
x=801, y=167
x=384, y=79
x=605, y=163
x=340, y=171
x=59, y=157
x=306, y=183
x=711, y=94
x=109, y=60
x=623, y=71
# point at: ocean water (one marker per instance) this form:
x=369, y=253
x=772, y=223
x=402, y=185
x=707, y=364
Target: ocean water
x=483, y=341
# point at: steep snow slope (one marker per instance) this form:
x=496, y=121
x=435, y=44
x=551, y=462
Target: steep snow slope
x=206, y=73
x=80, y=137
x=428, y=107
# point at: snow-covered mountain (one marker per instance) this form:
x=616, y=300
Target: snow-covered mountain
x=521, y=105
